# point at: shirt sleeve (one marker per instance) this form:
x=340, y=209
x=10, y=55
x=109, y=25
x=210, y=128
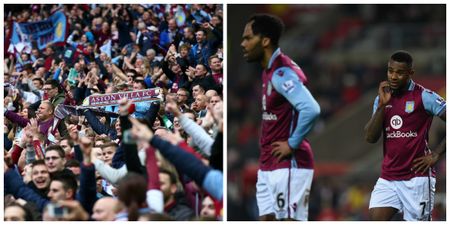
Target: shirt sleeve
x=433, y=103
x=213, y=184
x=375, y=104
x=287, y=83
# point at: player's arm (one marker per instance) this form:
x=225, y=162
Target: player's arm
x=435, y=105
x=373, y=128
x=287, y=83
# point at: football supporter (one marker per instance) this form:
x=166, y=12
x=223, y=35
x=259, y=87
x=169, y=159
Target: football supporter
x=106, y=50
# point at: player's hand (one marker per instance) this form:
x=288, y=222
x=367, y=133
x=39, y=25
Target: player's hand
x=174, y=138
x=125, y=107
x=172, y=49
x=75, y=211
x=281, y=150
x=73, y=132
x=34, y=127
x=86, y=148
x=384, y=92
x=422, y=164
x=26, y=173
x=207, y=26
x=172, y=107
x=140, y=130
x=8, y=161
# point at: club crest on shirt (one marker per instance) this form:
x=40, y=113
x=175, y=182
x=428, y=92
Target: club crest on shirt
x=409, y=107
x=280, y=73
x=269, y=88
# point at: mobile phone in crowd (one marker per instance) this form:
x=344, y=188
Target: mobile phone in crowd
x=127, y=137
x=57, y=211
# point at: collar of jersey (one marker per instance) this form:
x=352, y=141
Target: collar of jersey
x=411, y=85
x=274, y=55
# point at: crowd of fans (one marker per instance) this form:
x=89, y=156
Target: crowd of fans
x=155, y=160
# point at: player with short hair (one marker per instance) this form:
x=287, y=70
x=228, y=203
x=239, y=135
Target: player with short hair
x=289, y=112
x=402, y=113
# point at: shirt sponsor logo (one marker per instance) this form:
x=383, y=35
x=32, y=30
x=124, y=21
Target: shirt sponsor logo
x=409, y=107
x=396, y=122
x=269, y=116
x=264, y=102
x=399, y=134
x=288, y=86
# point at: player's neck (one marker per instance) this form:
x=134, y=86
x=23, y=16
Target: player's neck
x=266, y=58
x=402, y=89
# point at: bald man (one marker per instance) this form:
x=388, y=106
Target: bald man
x=199, y=105
x=104, y=209
x=210, y=93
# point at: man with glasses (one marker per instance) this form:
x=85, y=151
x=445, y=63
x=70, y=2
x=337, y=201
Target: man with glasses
x=53, y=92
x=131, y=74
x=182, y=96
x=55, y=160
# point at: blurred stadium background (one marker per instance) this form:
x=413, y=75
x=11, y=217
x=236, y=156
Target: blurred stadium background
x=343, y=49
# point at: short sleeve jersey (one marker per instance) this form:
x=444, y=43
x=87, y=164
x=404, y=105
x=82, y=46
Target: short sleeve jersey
x=407, y=120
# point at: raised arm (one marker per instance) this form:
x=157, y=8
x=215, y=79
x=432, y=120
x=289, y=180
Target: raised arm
x=155, y=199
x=15, y=186
x=209, y=179
x=88, y=192
x=199, y=136
x=97, y=126
x=118, y=72
x=15, y=118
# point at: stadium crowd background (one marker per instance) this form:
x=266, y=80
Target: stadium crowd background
x=343, y=50
x=86, y=155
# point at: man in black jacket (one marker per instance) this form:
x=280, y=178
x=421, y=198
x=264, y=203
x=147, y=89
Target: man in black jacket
x=174, y=203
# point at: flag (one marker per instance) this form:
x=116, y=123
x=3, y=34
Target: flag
x=43, y=32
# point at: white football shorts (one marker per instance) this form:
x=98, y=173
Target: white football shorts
x=284, y=192
x=414, y=197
